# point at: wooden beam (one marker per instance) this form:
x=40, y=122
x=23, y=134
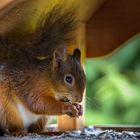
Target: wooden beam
x=4, y=3
x=66, y=122
x=112, y=24
x=120, y=128
x=87, y=8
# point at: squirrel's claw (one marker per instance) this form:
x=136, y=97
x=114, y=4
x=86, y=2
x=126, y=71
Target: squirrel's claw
x=74, y=110
x=79, y=108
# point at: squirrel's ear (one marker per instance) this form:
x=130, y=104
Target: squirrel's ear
x=59, y=56
x=77, y=54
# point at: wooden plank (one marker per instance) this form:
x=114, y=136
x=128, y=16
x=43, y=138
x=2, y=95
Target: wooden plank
x=4, y=3
x=134, y=128
x=112, y=24
x=87, y=8
x=118, y=128
x=66, y=122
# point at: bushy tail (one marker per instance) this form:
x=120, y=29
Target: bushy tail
x=53, y=29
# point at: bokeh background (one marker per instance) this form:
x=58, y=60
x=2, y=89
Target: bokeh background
x=113, y=86
x=113, y=82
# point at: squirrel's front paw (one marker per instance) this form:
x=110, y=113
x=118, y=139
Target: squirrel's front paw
x=73, y=110
x=79, y=108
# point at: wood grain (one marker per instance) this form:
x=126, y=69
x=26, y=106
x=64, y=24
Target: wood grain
x=112, y=24
x=3, y=3
x=120, y=128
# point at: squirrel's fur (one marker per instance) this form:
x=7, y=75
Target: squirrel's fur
x=35, y=87
x=53, y=29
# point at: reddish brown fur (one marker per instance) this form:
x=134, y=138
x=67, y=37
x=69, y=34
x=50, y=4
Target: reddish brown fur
x=39, y=85
x=37, y=94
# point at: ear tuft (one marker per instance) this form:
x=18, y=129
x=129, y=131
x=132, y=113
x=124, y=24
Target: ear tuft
x=77, y=54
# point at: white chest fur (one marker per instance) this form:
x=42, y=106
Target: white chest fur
x=27, y=116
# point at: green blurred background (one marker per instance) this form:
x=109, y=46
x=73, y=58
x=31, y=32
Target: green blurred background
x=113, y=87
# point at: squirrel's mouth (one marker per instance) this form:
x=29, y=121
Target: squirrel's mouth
x=64, y=99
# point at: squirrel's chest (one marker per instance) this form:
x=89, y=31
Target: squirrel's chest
x=27, y=117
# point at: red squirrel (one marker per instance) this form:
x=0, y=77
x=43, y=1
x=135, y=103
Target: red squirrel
x=38, y=77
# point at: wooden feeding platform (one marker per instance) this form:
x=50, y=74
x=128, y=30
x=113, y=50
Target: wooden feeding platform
x=104, y=26
x=89, y=133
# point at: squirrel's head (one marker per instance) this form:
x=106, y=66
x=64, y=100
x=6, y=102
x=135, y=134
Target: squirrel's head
x=68, y=77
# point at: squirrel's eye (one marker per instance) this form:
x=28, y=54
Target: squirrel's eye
x=69, y=79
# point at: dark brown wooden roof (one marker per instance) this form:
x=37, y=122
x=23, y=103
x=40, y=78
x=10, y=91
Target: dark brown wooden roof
x=113, y=23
